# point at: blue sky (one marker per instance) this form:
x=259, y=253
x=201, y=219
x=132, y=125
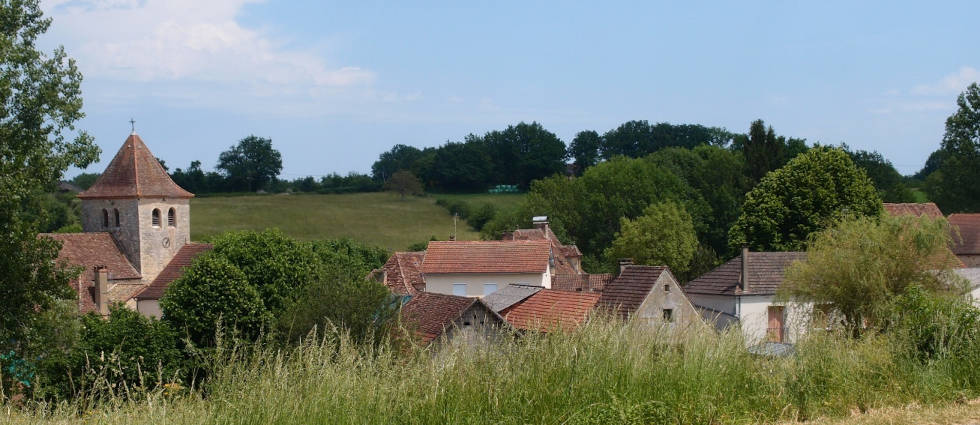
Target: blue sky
x=335, y=84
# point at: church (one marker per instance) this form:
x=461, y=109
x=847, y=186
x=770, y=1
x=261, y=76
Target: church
x=136, y=234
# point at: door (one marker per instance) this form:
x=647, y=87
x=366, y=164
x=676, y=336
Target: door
x=776, y=328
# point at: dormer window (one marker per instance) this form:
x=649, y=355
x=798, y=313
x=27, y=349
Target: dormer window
x=172, y=218
x=156, y=217
x=116, y=210
x=105, y=218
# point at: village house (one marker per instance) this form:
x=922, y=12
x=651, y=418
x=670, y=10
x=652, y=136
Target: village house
x=547, y=310
x=650, y=294
x=478, y=268
x=135, y=222
x=743, y=292
x=431, y=316
x=966, y=238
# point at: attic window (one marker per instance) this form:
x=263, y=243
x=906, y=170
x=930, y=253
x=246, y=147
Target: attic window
x=668, y=315
x=666, y=287
x=116, y=210
x=156, y=217
x=172, y=218
x=105, y=218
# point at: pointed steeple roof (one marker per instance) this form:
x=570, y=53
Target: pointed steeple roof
x=134, y=173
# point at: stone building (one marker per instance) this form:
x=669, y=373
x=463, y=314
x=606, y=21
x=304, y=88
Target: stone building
x=135, y=220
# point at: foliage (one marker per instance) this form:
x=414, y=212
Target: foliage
x=404, y=183
x=523, y=153
x=933, y=326
x=40, y=100
x=663, y=235
x=810, y=193
x=584, y=150
x=481, y=216
x=364, y=308
x=85, y=180
x=252, y=164
x=636, y=139
x=462, y=167
x=211, y=295
x=400, y=157
x=883, y=174
x=954, y=185
x=861, y=264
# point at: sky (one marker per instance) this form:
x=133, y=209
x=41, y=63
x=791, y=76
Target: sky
x=336, y=84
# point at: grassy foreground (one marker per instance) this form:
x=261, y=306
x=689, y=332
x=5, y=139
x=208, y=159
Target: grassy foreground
x=381, y=219
x=605, y=373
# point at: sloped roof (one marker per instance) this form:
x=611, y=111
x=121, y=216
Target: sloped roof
x=627, y=291
x=968, y=241
x=592, y=282
x=766, y=272
x=175, y=268
x=433, y=313
x=134, y=173
x=562, y=252
x=509, y=295
x=548, y=309
x=928, y=209
x=486, y=257
x=94, y=249
x=403, y=273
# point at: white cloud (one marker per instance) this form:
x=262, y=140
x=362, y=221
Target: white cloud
x=951, y=84
x=197, y=48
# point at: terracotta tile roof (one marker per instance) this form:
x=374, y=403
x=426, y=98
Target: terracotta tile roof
x=94, y=249
x=487, y=257
x=184, y=257
x=627, y=291
x=135, y=173
x=403, y=273
x=433, y=313
x=509, y=295
x=564, y=254
x=590, y=282
x=548, y=309
x=766, y=272
x=927, y=209
x=968, y=242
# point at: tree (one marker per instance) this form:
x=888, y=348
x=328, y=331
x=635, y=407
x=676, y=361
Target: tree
x=461, y=167
x=810, y=193
x=861, y=264
x=523, y=153
x=405, y=183
x=663, y=235
x=40, y=102
x=883, y=174
x=85, y=180
x=955, y=188
x=585, y=150
x=252, y=164
x=400, y=157
x=763, y=151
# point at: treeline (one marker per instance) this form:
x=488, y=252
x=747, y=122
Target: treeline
x=951, y=174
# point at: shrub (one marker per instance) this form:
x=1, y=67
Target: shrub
x=479, y=218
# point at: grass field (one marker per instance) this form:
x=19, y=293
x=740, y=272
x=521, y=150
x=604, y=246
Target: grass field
x=501, y=201
x=381, y=219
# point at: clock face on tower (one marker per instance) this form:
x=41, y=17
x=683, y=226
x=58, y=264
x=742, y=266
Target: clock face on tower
x=166, y=242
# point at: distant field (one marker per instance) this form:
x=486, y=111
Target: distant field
x=380, y=219
x=502, y=200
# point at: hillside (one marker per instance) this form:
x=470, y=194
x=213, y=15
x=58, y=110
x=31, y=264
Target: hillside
x=381, y=219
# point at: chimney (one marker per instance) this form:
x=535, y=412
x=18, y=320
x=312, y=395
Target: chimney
x=624, y=263
x=102, y=290
x=745, y=269
x=540, y=222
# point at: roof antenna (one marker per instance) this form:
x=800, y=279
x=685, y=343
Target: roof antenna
x=132, y=124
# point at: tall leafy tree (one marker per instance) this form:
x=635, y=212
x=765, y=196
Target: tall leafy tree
x=955, y=186
x=883, y=174
x=252, y=164
x=461, y=167
x=405, y=183
x=40, y=102
x=763, y=151
x=400, y=157
x=663, y=235
x=584, y=150
x=812, y=192
x=522, y=153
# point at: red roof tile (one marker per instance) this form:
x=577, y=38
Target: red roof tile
x=927, y=209
x=184, y=257
x=968, y=241
x=581, y=282
x=487, y=257
x=628, y=291
x=403, y=273
x=432, y=313
x=94, y=249
x=766, y=272
x=564, y=254
x=548, y=309
x=135, y=173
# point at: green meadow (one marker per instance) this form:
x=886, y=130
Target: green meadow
x=382, y=219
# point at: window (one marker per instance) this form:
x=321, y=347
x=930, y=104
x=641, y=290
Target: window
x=668, y=315
x=105, y=218
x=116, y=210
x=666, y=287
x=489, y=288
x=459, y=289
x=156, y=217
x=172, y=218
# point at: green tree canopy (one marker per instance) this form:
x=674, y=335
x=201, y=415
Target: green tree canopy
x=954, y=186
x=810, y=193
x=252, y=164
x=400, y=157
x=883, y=174
x=40, y=102
x=861, y=264
x=663, y=235
x=404, y=183
x=522, y=153
x=584, y=150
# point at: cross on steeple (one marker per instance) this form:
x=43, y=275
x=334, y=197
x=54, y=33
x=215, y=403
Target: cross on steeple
x=132, y=124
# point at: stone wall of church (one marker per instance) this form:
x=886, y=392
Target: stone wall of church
x=159, y=243
x=126, y=233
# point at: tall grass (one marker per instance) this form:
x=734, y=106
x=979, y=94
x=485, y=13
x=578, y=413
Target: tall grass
x=606, y=372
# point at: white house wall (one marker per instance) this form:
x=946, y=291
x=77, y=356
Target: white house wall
x=722, y=303
x=443, y=283
x=754, y=317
